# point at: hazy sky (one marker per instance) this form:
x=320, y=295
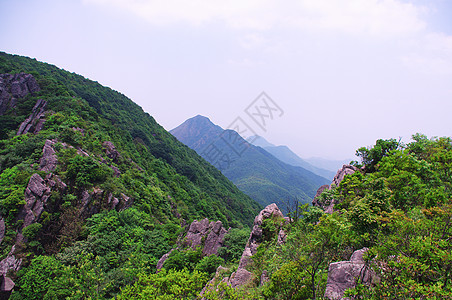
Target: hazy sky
x=344, y=72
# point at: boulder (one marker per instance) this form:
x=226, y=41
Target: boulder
x=49, y=160
x=344, y=274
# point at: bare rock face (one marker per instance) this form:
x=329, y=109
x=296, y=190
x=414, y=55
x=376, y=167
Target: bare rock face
x=329, y=207
x=343, y=275
x=345, y=170
x=14, y=86
x=36, y=195
x=212, y=232
x=49, y=160
x=242, y=275
x=35, y=122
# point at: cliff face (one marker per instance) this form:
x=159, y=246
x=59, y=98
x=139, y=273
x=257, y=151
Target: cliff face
x=13, y=87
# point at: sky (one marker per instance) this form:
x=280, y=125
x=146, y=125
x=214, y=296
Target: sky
x=337, y=74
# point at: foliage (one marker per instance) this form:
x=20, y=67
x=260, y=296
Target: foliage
x=234, y=242
x=172, y=284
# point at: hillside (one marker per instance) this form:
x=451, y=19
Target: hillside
x=255, y=171
x=387, y=235
x=284, y=154
x=106, y=188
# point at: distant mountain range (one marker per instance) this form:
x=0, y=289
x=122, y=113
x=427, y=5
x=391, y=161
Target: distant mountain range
x=284, y=154
x=254, y=170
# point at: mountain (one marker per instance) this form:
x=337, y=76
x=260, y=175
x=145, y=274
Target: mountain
x=255, y=171
x=93, y=191
x=284, y=154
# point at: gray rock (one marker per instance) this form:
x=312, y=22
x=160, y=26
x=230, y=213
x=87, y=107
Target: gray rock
x=328, y=207
x=49, y=160
x=242, y=276
x=36, y=195
x=214, y=239
x=10, y=263
x=345, y=170
x=13, y=87
x=163, y=259
x=343, y=275
x=35, y=122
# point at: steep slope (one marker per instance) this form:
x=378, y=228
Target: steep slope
x=255, y=171
x=284, y=154
x=91, y=183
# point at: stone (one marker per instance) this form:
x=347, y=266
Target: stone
x=214, y=239
x=242, y=276
x=163, y=259
x=10, y=263
x=13, y=87
x=345, y=170
x=36, y=195
x=329, y=206
x=35, y=122
x=49, y=159
x=343, y=275
x=196, y=231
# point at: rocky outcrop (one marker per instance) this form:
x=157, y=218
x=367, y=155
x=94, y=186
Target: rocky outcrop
x=328, y=206
x=211, y=232
x=14, y=86
x=49, y=160
x=242, y=275
x=205, y=234
x=35, y=122
x=345, y=170
x=36, y=195
x=10, y=263
x=214, y=239
x=343, y=275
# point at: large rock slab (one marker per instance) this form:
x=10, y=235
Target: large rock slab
x=343, y=275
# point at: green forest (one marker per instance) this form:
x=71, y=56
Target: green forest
x=397, y=204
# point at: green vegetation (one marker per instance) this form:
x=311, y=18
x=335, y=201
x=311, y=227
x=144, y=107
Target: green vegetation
x=80, y=248
x=398, y=204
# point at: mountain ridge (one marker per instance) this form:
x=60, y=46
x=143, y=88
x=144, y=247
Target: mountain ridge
x=255, y=171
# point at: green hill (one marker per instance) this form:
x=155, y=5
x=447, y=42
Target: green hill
x=256, y=172
x=106, y=187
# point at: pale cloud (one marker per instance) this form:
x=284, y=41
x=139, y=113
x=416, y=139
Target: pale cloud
x=373, y=17
x=431, y=54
